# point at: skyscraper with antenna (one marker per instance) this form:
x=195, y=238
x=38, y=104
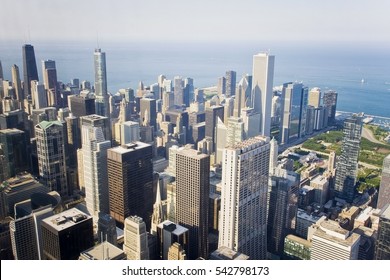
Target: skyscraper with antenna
x=101, y=94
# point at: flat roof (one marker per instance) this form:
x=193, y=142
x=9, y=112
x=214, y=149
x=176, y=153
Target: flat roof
x=66, y=219
x=103, y=251
x=129, y=147
x=301, y=214
x=179, y=229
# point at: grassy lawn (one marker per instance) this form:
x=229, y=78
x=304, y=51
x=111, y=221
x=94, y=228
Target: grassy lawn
x=379, y=133
x=368, y=178
x=370, y=152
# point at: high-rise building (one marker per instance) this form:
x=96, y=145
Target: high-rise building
x=230, y=83
x=262, y=83
x=384, y=189
x=107, y=229
x=221, y=86
x=169, y=233
x=178, y=86
x=66, y=235
x=94, y=147
x=382, y=246
x=1, y=71
x=101, y=93
x=130, y=132
x=212, y=115
x=136, y=239
x=81, y=105
x=130, y=181
x=347, y=163
x=243, y=216
x=103, y=251
x=14, y=143
x=51, y=156
x=148, y=107
x=176, y=252
x=314, y=97
x=294, y=109
x=38, y=95
x=330, y=102
x=17, y=83
x=332, y=242
x=283, y=205
x=243, y=95
x=192, y=199
x=49, y=73
x=30, y=72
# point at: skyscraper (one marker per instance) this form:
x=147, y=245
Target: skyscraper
x=130, y=181
x=178, y=86
x=192, y=198
x=169, y=233
x=294, y=109
x=136, y=239
x=347, y=164
x=243, y=216
x=17, y=84
x=94, y=147
x=101, y=93
x=49, y=73
x=283, y=205
x=14, y=143
x=382, y=246
x=314, y=97
x=384, y=189
x=230, y=83
x=51, y=156
x=262, y=83
x=330, y=102
x=30, y=71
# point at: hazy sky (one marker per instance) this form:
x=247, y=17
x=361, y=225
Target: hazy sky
x=200, y=20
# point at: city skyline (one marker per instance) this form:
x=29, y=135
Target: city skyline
x=254, y=20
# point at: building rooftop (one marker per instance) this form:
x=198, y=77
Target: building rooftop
x=179, y=229
x=66, y=219
x=103, y=251
x=129, y=147
x=300, y=240
x=195, y=154
x=11, y=131
x=225, y=253
x=319, y=180
x=302, y=214
x=251, y=142
x=46, y=124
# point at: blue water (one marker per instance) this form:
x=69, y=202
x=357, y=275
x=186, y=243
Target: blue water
x=336, y=67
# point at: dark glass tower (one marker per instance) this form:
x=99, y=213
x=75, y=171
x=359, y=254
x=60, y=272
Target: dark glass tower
x=347, y=164
x=30, y=71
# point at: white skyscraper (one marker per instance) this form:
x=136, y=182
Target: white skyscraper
x=262, y=83
x=136, y=239
x=94, y=149
x=243, y=216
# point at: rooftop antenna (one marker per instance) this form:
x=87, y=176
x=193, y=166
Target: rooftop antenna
x=97, y=39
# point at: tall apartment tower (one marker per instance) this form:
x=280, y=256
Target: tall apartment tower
x=30, y=71
x=243, y=216
x=49, y=73
x=94, y=148
x=230, y=83
x=262, y=83
x=382, y=246
x=130, y=182
x=283, y=205
x=347, y=164
x=101, y=93
x=192, y=198
x=51, y=156
x=330, y=102
x=314, y=98
x=384, y=189
x=136, y=239
x=17, y=83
